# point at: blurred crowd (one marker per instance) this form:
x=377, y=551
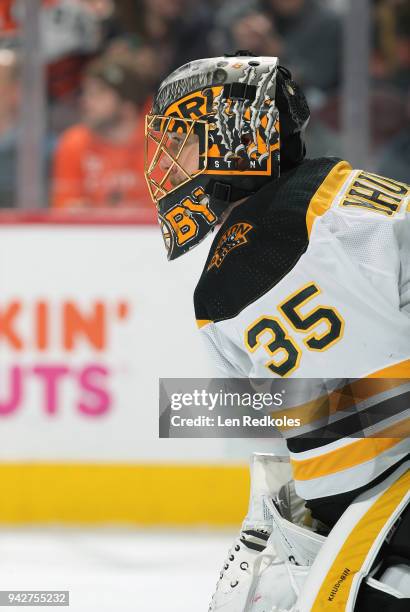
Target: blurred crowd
x=104, y=59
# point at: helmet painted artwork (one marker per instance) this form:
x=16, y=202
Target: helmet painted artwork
x=216, y=134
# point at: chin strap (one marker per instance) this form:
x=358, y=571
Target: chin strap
x=226, y=193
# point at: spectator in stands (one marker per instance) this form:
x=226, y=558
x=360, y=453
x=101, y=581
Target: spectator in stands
x=71, y=35
x=144, y=58
x=255, y=31
x=312, y=41
x=106, y=13
x=8, y=24
x=305, y=34
x=9, y=107
x=100, y=161
x=177, y=29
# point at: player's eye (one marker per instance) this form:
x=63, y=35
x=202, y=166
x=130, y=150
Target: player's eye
x=176, y=139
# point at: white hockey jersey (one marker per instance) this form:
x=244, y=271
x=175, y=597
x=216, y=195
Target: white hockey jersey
x=311, y=278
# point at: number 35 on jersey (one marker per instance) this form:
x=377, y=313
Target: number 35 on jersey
x=321, y=327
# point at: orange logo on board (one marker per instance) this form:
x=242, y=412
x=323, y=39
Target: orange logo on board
x=234, y=237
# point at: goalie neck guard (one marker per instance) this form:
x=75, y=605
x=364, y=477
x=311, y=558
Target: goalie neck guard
x=219, y=129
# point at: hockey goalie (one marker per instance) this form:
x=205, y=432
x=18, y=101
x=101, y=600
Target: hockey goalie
x=308, y=276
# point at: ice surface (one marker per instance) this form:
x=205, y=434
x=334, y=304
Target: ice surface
x=115, y=570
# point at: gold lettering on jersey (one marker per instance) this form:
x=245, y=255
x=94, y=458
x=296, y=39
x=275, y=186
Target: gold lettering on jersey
x=233, y=237
x=376, y=193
